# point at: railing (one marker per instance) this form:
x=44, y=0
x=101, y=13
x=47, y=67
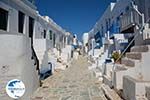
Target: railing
x=136, y=35
x=135, y=17
x=131, y=18
x=36, y=61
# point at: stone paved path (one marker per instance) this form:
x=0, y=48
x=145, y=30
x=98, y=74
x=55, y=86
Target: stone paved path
x=75, y=83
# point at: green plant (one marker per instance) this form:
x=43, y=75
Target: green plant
x=115, y=56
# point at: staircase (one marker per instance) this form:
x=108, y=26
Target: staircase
x=52, y=58
x=136, y=72
x=130, y=78
x=43, y=61
x=55, y=60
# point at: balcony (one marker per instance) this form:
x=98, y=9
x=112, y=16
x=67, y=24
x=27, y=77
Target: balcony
x=130, y=19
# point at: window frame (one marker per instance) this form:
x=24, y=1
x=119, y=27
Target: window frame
x=50, y=34
x=44, y=34
x=21, y=27
x=54, y=39
x=149, y=12
x=32, y=25
x=5, y=27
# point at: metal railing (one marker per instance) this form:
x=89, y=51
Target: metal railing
x=132, y=17
x=140, y=32
x=135, y=18
x=36, y=60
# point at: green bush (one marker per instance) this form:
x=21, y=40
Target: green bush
x=115, y=56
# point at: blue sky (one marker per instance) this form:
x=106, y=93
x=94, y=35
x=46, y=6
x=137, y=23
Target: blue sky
x=75, y=16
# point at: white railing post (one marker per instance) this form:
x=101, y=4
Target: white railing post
x=143, y=20
x=132, y=17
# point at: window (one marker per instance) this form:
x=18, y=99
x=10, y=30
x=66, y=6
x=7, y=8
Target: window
x=109, y=22
x=107, y=26
x=44, y=34
x=98, y=38
x=32, y=1
x=21, y=17
x=50, y=35
x=3, y=19
x=149, y=24
x=149, y=12
x=127, y=9
x=149, y=15
x=54, y=37
x=117, y=25
x=102, y=29
x=31, y=27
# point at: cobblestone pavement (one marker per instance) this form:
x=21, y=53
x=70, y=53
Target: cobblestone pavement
x=75, y=83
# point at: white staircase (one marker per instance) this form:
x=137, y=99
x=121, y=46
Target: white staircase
x=135, y=73
x=43, y=61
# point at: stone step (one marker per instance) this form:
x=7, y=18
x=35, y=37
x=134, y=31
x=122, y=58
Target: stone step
x=110, y=93
x=134, y=55
x=120, y=67
x=100, y=79
x=134, y=88
x=128, y=62
x=147, y=88
x=107, y=80
x=143, y=48
x=92, y=67
x=59, y=66
x=97, y=73
x=141, y=98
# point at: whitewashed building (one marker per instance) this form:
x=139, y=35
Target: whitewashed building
x=27, y=40
x=18, y=59
x=85, y=39
x=113, y=22
x=124, y=26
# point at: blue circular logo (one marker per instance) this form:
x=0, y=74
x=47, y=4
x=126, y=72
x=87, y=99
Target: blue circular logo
x=15, y=88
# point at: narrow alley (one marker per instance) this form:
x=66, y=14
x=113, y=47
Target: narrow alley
x=75, y=49
x=75, y=83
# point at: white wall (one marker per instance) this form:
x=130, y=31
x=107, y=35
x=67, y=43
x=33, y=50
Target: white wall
x=15, y=51
x=85, y=38
x=13, y=9
x=42, y=44
x=112, y=12
x=16, y=57
x=119, y=7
